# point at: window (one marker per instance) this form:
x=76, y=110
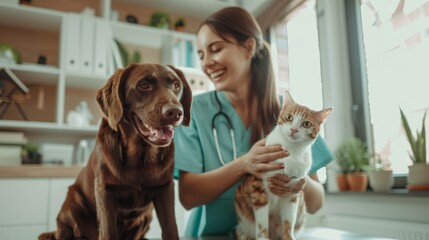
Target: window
x=298, y=61
x=396, y=45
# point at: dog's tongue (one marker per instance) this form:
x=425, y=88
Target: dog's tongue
x=165, y=133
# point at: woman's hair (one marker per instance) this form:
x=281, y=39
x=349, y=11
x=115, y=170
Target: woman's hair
x=237, y=23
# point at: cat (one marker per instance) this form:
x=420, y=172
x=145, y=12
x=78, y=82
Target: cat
x=261, y=214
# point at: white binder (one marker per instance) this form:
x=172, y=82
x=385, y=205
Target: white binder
x=86, y=63
x=101, y=47
x=72, y=56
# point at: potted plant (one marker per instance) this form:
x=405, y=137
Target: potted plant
x=380, y=174
x=343, y=163
x=30, y=154
x=418, y=175
x=179, y=25
x=353, y=155
x=160, y=20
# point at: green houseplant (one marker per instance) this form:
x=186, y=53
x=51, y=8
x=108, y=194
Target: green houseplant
x=353, y=158
x=160, y=20
x=419, y=170
x=179, y=25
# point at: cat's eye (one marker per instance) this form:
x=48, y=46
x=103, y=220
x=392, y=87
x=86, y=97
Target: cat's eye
x=288, y=117
x=306, y=124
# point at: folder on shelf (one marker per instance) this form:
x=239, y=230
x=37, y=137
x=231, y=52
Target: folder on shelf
x=72, y=42
x=86, y=60
x=101, y=48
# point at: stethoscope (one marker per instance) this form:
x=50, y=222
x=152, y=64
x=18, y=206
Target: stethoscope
x=231, y=130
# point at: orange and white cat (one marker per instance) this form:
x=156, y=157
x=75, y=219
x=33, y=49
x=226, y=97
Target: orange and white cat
x=261, y=214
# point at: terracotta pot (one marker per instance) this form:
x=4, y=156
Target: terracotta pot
x=418, y=174
x=342, y=182
x=358, y=181
x=380, y=181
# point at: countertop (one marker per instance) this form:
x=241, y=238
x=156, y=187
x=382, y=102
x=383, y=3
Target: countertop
x=39, y=171
x=317, y=233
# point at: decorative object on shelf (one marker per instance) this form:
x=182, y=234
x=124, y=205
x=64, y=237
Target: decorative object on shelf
x=25, y=2
x=418, y=175
x=353, y=159
x=41, y=59
x=160, y=20
x=12, y=91
x=9, y=54
x=179, y=25
x=126, y=58
x=30, y=154
x=81, y=116
x=381, y=174
x=131, y=19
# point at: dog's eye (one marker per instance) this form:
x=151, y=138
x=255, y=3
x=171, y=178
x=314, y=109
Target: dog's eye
x=176, y=85
x=144, y=86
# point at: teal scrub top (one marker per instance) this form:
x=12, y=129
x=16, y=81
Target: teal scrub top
x=195, y=151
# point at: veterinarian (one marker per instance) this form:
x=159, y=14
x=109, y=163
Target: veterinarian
x=226, y=137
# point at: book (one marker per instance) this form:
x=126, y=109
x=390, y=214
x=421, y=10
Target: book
x=10, y=155
x=12, y=138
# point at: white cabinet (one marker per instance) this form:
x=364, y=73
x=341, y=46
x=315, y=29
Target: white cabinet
x=29, y=207
x=24, y=208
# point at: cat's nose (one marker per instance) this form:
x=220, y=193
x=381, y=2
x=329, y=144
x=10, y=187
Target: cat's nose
x=293, y=131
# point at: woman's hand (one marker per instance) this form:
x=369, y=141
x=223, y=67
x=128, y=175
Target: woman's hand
x=278, y=185
x=259, y=159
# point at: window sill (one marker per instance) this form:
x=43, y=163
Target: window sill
x=393, y=192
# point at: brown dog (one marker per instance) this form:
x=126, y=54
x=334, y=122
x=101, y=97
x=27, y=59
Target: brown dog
x=131, y=166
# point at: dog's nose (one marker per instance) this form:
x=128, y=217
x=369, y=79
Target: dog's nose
x=172, y=112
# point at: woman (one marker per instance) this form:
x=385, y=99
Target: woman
x=236, y=58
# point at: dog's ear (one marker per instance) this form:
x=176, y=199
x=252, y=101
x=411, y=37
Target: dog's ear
x=110, y=98
x=186, y=100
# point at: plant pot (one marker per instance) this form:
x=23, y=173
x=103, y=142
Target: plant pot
x=380, y=181
x=418, y=174
x=342, y=182
x=357, y=181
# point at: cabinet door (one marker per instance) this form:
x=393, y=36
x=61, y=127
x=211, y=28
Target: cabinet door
x=22, y=232
x=59, y=188
x=23, y=208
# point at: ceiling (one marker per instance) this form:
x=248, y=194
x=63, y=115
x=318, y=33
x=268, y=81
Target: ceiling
x=200, y=8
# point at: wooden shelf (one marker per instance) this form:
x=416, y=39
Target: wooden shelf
x=39, y=171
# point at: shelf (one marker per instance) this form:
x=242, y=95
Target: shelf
x=30, y=17
x=39, y=171
x=144, y=35
x=34, y=73
x=48, y=128
x=86, y=81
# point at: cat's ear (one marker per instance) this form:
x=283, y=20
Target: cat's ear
x=287, y=99
x=324, y=114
